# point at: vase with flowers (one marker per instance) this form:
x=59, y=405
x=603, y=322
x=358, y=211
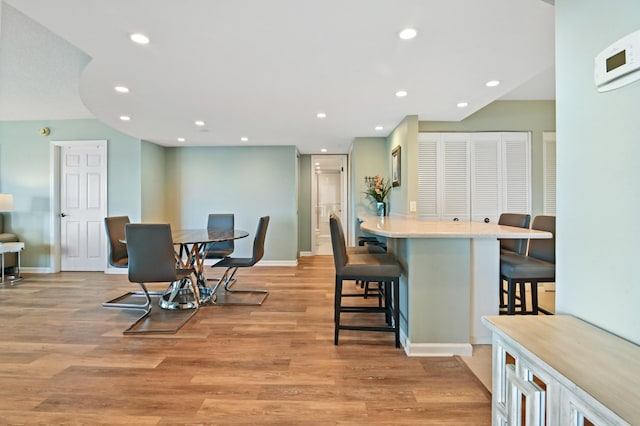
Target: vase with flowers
x=377, y=192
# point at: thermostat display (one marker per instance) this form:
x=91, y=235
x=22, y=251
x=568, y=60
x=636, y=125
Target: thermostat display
x=618, y=64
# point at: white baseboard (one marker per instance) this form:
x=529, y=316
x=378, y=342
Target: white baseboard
x=437, y=349
x=125, y=271
x=306, y=253
x=37, y=270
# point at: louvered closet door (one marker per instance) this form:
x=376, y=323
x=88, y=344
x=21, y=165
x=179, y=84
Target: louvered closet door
x=455, y=177
x=516, y=176
x=428, y=169
x=486, y=188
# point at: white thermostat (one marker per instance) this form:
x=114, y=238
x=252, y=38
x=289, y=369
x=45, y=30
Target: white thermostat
x=618, y=64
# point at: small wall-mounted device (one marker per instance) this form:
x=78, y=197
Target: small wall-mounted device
x=618, y=64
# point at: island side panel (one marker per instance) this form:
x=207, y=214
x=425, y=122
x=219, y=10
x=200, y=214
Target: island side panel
x=485, y=279
x=438, y=290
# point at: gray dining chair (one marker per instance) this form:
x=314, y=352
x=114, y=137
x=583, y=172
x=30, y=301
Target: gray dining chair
x=114, y=226
x=152, y=259
x=119, y=258
x=219, y=250
x=232, y=264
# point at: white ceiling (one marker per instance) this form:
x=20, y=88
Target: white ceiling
x=264, y=69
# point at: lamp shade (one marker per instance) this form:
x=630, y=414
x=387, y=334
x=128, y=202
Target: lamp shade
x=6, y=202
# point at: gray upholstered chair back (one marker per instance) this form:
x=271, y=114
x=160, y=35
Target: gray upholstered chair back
x=223, y=248
x=340, y=257
x=152, y=257
x=544, y=249
x=258, y=240
x=517, y=220
x=114, y=225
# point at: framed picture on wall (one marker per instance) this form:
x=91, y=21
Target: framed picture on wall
x=395, y=166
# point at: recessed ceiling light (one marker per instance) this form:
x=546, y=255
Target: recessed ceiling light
x=199, y=123
x=321, y=115
x=401, y=93
x=462, y=104
x=125, y=118
x=492, y=83
x=121, y=89
x=244, y=139
x=139, y=38
x=181, y=139
x=379, y=128
x=408, y=33
x=323, y=150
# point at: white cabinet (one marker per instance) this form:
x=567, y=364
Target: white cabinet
x=560, y=371
x=473, y=176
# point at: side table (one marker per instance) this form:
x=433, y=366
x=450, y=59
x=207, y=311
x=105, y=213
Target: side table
x=11, y=248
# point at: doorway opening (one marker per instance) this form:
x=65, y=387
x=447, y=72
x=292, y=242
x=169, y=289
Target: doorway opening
x=328, y=195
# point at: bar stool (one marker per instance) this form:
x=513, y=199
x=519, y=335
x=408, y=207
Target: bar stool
x=512, y=245
x=381, y=268
x=539, y=265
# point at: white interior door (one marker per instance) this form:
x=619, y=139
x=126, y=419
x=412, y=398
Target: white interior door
x=328, y=196
x=83, y=205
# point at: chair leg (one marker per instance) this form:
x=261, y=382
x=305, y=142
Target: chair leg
x=228, y=278
x=523, y=296
x=511, y=297
x=336, y=309
x=396, y=309
x=534, y=297
x=388, y=312
x=145, y=306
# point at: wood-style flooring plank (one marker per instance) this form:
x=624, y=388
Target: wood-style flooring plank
x=64, y=360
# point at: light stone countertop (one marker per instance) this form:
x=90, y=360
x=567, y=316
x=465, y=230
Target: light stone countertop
x=396, y=226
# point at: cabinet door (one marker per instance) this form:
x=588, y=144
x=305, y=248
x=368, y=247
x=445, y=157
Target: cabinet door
x=454, y=177
x=428, y=170
x=516, y=173
x=486, y=185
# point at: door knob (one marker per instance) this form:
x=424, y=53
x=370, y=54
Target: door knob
x=63, y=215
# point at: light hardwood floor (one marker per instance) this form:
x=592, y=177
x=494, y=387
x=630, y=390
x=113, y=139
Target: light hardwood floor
x=64, y=360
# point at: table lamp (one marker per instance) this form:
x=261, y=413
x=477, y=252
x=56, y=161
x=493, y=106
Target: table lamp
x=6, y=202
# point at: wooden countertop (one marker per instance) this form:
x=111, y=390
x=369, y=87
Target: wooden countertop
x=605, y=366
x=406, y=227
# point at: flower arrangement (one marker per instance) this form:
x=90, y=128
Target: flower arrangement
x=378, y=189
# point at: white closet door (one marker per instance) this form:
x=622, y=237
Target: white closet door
x=428, y=169
x=455, y=177
x=516, y=176
x=486, y=188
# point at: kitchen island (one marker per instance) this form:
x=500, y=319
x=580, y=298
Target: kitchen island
x=449, y=280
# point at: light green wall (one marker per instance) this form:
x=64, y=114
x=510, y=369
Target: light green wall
x=368, y=157
x=248, y=181
x=405, y=135
x=598, y=178
x=153, y=180
x=304, y=203
x=25, y=173
x=151, y=183
x=533, y=116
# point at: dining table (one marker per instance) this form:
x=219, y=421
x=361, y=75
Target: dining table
x=192, y=253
